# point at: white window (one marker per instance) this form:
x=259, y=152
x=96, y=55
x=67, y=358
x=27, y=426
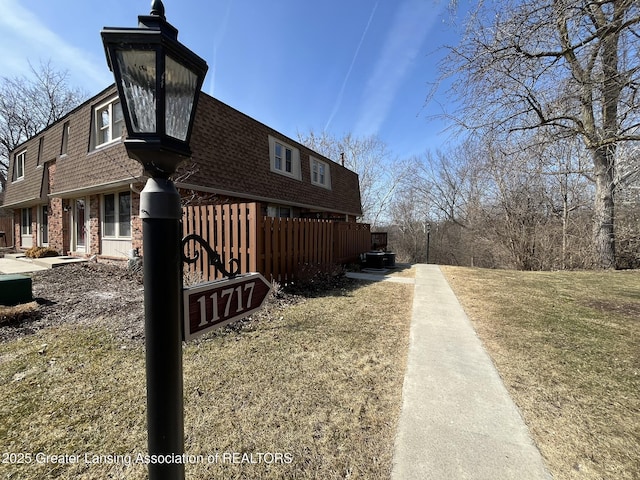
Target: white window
x=278, y=211
x=285, y=159
x=116, y=215
x=25, y=227
x=44, y=225
x=18, y=167
x=320, y=173
x=108, y=123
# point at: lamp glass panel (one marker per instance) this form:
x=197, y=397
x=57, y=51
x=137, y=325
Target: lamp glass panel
x=138, y=77
x=180, y=85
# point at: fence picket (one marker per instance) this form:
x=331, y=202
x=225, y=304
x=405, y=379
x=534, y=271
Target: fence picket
x=275, y=247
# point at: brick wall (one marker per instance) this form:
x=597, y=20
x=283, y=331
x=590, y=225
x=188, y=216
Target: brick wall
x=136, y=222
x=94, y=225
x=55, y=215
x=56, y=226
x=17, y=219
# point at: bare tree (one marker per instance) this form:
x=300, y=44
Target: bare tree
x=496, y=203
x=379, y=174
x=450, y=181
x=568, y=67
x=628, y=206
x=408, y=227
x=30, y=104
x=570, y=189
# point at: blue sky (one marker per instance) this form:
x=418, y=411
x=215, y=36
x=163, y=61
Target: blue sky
x=359, y=66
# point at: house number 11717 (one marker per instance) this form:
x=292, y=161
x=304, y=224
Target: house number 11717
x=215, y=304
x=228, y=295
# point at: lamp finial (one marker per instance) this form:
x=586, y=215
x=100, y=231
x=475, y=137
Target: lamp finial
x=157, y=8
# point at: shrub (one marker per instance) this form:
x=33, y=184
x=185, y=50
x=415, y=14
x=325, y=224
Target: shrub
x=40, y=252
x=315, y=278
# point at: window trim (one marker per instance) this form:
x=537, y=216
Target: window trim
x=97, y=129
x=26, y=229
x=116, y=206
x=279, y=211
x=20, y=157
x=43, y=225
x=315, y=180
x=281, y=166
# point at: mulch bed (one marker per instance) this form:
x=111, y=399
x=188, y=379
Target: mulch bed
x=110, y=296
x=88, y=293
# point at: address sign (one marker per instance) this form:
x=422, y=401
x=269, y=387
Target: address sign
x=212, y=305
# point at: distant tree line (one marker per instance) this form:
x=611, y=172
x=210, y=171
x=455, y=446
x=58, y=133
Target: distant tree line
x=545, y=174
x=497, y=206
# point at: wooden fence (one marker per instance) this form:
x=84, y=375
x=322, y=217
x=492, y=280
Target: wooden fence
x=279, y=248
x=6, y=226
x=231, y=230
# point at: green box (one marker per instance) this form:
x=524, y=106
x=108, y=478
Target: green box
x=15, y=289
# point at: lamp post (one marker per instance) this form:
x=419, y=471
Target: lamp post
x=158, y=81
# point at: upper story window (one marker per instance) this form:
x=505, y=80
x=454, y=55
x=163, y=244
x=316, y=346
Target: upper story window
x=108, y=123
x=18, y=165
x=320, y=173
x=285, y=159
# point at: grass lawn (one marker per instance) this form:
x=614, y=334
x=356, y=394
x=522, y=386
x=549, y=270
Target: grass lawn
x=567, y=345
x=314, y=392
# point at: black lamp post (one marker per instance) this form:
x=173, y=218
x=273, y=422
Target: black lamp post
x=158, y=81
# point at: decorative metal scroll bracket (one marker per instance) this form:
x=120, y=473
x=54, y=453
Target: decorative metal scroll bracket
x=214, y=257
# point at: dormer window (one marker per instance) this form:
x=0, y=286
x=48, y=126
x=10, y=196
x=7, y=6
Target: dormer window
x=18, y=167
x=320, y=173
x=285, y=159
x=108, y=123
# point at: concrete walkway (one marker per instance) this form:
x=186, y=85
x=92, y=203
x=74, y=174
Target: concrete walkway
x=9, y=265
x=18, y=263
x=457, y=420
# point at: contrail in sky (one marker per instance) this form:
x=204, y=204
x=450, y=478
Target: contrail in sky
x=216, y=44
x=33, y=35
x=353, y=61
x=411, y=25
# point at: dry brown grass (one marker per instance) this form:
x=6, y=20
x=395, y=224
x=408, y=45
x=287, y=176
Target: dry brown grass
x=567, y=345
x=404, y=271
x=320, y=383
